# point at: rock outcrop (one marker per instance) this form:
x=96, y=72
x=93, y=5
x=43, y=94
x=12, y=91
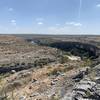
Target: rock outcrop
x=86, y=88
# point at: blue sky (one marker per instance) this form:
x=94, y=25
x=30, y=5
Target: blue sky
x=50, y=16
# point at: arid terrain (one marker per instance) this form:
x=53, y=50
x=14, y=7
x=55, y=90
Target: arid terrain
x=36, y=67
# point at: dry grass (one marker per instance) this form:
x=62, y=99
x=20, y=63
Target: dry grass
x=58, y=69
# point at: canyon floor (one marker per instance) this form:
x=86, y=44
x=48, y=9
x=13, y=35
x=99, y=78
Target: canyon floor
x=37, y=71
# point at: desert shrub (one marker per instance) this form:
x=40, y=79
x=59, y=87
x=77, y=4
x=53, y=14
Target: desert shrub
x=59, y=69
x=67, y=53
x=3, y=65
x=41, y=62
x=49, y=67
x=64, y=59
x=86, y=62
x=23, y=63
x=88, y=93
x=92, y=75
x=55, y=97
x=17, y=64
x=55, y=71
x=4, y=75
x=68, y=68
x=3, y=94
x=13, y=85
x=26, y=80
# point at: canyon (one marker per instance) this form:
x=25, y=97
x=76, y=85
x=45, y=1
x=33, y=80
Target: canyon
x=49, y=67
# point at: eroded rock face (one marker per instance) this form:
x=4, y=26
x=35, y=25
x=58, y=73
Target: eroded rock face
x=79, y=76
x=68, y=46
x=83, y=43
x=86, y=88
x=38, y=62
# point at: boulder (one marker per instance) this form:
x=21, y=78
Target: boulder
x=34, y=80
x=22, y=98
x=52, y=83
x=3, y=98
x=79, y=76
x=13, y=71
x=34, y=94
x=98, y=81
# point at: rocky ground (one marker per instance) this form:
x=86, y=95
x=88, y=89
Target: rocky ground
x=32, y=72
x=48, y=83
x=14, y=49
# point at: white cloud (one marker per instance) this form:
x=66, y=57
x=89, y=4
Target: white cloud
x=98, y=5
x=77, y=24
x=40, y=23
x=73, y=23
x=69, y=23
x=10, y=9
x=13, y=22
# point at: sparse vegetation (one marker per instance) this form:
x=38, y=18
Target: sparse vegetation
x=59, y=69
x=86, y=62
x=55, y=97
x=64, y=59
x=51, y=69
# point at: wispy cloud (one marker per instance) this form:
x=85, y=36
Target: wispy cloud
x=69, y=23
x=73, y=23
x=40, y=23
x=13, y=22
x=77, y=24
x=10, y=9
x=98, y=5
